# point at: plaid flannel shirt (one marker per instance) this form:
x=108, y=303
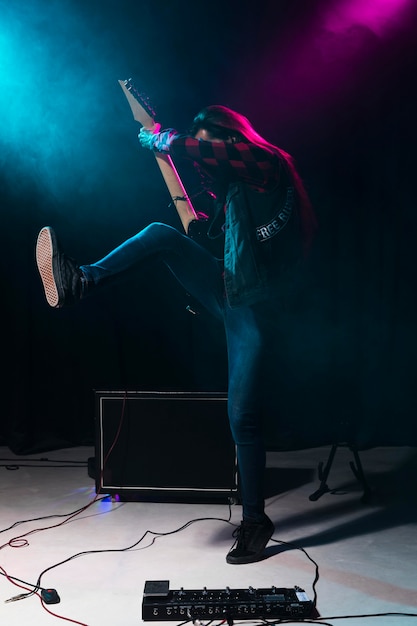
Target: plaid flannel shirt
x=224, y=161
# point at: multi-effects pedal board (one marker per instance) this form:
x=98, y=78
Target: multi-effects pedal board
x=162, y=604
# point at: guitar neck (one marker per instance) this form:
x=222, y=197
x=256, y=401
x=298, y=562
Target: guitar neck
x=176, y=189
x=180, y=200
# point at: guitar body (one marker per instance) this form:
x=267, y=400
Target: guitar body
x=193, y=226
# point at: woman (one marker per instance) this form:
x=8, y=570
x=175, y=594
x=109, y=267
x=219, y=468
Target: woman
x=265, y=218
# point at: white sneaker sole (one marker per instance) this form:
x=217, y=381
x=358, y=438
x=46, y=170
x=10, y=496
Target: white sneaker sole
x=44, y=254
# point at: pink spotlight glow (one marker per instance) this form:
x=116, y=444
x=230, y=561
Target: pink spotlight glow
x=341, y=48
x=380, y=16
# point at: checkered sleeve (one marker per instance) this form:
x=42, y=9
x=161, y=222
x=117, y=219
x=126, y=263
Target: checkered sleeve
x=228, y=161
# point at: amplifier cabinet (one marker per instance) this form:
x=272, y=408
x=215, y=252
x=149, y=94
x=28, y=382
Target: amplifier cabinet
x=164, y=446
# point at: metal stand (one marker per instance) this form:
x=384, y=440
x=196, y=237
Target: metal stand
x=356, y=468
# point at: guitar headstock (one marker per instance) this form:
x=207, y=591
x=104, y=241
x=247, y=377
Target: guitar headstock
x=142, y=109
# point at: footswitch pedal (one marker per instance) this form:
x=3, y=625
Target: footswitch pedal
x=162, y=604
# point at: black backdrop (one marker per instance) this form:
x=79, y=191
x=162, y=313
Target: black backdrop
x=340, y=99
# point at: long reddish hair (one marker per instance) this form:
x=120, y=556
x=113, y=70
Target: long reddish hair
x=224, y=123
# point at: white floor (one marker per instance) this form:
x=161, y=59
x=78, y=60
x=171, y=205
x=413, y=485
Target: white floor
x=366, y=553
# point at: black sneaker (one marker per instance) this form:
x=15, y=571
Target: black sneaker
x=251, y=540
x=61, y=278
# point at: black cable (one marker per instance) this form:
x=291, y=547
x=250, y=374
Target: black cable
x=15, y=466
x=370, y=615
x=299, y=621
x=24, y=582
x=134, y=545
x=320, y=619
x=42, y=460
x=37, y=587
x=317, y=574
x=58, y=515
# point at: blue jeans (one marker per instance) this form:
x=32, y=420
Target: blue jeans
x=248, y=334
